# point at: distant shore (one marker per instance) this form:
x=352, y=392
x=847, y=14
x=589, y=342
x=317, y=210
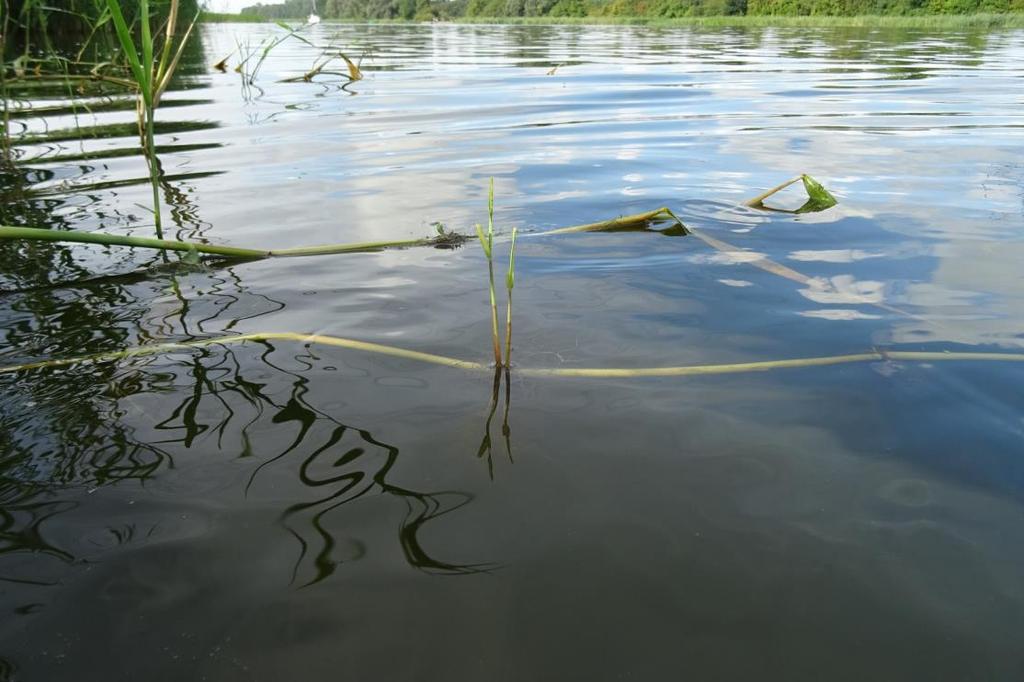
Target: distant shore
x=918, y=21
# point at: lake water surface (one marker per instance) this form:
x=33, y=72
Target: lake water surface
x=283, y=510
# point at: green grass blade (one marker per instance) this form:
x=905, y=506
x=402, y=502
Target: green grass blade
x=124, y=35
x=510, y=278
x=485, y=244
x=147, y=47
x=490, y=209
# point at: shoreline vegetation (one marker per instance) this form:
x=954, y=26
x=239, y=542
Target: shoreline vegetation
x=755, y=13
x=947, y=22
x=981, y=20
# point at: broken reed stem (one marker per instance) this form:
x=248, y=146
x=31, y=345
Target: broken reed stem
x=622, y=222
x=75, y=236
x=759, y=199
x=878, y=355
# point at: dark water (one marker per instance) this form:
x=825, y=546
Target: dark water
x=278, y=510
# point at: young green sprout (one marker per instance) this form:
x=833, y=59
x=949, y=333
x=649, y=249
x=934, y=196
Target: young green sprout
x=487, y=243
x=510, y=281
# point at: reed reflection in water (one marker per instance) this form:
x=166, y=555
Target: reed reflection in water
x=227, y=407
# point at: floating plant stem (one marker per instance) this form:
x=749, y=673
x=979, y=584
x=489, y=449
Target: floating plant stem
x=876, y=355
x=319, y=339
x=40, y=234
x=818, y=198
x=626, y=222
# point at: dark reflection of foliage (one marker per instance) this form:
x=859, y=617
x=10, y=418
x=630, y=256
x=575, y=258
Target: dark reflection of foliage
x=63, y=428
x=7, y=670
x=356, y=469
x=352, y=485
x=23, y=511
x=56, y=445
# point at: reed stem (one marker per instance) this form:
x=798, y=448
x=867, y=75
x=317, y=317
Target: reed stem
x=494, y=315
x=621, y=223
x=154, y=171
x=877, y=355
x=759, y=199
x=74, y=236
x=508, y=331
x=39, y=234
x=510, y=282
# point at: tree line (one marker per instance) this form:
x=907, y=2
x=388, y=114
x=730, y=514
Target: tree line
x=426, y=10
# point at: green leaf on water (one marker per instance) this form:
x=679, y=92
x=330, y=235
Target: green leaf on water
x=818, y=198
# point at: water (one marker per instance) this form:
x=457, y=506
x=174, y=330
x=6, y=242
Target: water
x=273, y=510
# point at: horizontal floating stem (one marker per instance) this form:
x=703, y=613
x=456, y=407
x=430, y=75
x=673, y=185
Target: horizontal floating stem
x=581, y=372
x=40, y=234
x=695, y=370
x=620, y=223
x=349, y=248
x=320, y=339
x=449, y=239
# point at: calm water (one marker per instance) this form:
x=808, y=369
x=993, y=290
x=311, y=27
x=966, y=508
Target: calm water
x=275, y=510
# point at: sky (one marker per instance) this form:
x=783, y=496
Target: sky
x=235, y=5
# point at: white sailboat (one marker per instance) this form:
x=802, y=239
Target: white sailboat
x=313, y=18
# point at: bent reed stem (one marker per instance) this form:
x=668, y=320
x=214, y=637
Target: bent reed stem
x=877, y=355
x=620, y=223
x=76, y=236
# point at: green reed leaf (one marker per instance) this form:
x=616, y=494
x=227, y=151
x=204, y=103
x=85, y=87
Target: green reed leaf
x=510, y=278
x=818, y=198
x=485, y=243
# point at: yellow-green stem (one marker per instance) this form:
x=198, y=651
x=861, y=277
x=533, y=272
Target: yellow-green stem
x=508, y=331
x=877, y=355
x=494, y=316
x=154, y=170
x=759, y=199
